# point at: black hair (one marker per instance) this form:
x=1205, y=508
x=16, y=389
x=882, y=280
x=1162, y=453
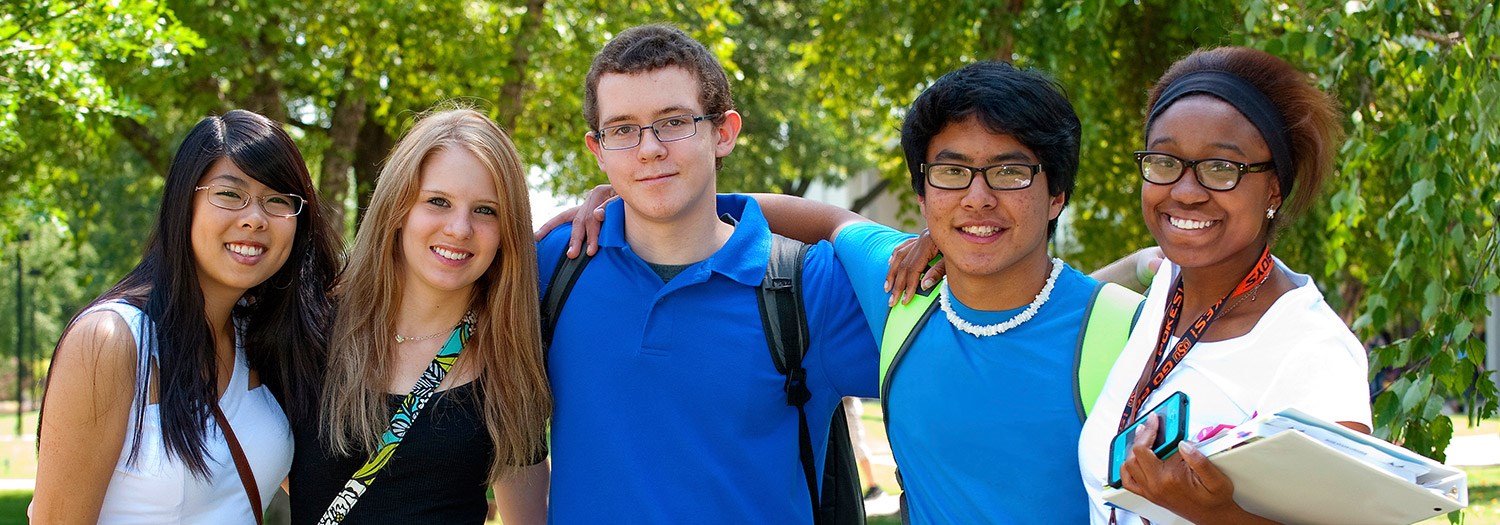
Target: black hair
x=1025, y=104
x=283, y=320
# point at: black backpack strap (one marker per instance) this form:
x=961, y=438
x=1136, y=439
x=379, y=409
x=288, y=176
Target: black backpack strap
x=785, y=325
x=563, y=278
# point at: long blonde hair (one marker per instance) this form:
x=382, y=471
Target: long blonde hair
x=506, y=342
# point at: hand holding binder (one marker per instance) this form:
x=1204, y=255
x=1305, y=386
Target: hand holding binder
x=1187, y=482
x=1294, y=468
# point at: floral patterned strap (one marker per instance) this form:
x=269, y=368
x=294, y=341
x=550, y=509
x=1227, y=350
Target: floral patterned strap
x=405, y=415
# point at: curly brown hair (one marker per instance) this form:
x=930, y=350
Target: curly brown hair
x=651, y=47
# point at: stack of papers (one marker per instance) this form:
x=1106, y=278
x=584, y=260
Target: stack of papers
x=1293, y=468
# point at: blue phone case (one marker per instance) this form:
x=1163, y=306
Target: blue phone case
x=1174, y=415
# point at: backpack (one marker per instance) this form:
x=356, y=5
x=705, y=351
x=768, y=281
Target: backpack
x=785, y=321
x=1111, y=314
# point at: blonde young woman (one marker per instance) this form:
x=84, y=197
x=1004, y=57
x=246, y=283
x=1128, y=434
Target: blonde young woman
x=443, y=262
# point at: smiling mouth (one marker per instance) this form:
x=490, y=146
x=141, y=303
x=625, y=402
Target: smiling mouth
x=450, y=254
x=1189, y=224
x=245, y=249
x=980, y=231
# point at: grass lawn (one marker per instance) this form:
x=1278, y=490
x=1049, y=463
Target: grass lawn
x=13, y=506
x=17, y=453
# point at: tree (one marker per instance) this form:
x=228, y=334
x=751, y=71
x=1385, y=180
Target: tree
x=1405, y=248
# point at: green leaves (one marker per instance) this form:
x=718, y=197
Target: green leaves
x=94, y=96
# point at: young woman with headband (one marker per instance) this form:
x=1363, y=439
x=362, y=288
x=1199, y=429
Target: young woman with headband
x=1237, y=143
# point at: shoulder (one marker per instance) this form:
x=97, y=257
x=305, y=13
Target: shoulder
x=551, y=249
x=865, y=247
x=97, y=353
x=98, y=336
x=1302, y=319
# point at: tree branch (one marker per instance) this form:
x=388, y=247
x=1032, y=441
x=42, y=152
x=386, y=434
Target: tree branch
x=874, y=193
x=144, y=142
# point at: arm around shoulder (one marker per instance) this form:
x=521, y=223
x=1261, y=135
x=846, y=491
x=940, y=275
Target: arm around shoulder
x=806, y=220
x=88, y=400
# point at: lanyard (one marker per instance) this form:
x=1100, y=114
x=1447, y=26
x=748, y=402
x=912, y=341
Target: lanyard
x=1161, y=363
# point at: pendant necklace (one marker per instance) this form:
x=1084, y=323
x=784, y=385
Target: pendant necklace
x=403, y=339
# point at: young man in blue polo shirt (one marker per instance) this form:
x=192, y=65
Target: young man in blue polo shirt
x=669, y=408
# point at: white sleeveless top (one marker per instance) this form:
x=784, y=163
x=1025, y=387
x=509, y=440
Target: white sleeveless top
x=159, y=489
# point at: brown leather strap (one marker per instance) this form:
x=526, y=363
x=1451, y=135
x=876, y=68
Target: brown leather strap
x=247, y=477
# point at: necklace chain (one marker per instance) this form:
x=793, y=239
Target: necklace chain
x=1251, y=295
x=999, y=328
x=468, y=317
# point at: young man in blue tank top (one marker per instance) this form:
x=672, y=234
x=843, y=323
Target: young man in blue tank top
x=984, y=416
x=669, y=408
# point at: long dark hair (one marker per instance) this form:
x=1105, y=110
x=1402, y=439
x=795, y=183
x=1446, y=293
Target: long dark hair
x=284, y=319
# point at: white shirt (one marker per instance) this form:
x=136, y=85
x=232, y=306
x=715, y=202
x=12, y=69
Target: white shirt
x=1299, y=355
x=157, y=488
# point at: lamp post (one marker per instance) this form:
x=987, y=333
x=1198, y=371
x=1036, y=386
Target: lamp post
x=20, y=341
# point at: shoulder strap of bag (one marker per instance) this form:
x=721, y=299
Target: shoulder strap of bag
x=564, y=276
x=785, y=326
x=784, y=318
x=1111, y=315
x=401, y=421
x=247, y=476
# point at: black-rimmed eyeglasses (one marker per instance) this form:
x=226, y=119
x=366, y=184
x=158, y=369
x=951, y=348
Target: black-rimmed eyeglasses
x=1214, y=174
x=998, y=176
x=669, y=129
x=231, y=198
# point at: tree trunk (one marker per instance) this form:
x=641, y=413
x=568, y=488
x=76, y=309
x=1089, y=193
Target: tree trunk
x=348, y=115
x=266, y=97
x=511, y=93
x=374, y=144
x=1007, y=49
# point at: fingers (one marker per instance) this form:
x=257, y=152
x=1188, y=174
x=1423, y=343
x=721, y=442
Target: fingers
x=554, y=222
x=1147, y=262
x=579, y=236
x=1209, y=477
x=938, y=270
x=587, y=218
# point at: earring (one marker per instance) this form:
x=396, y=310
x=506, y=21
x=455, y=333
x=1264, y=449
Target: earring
x=1270, y=213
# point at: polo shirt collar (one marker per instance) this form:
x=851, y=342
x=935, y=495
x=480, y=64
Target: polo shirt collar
x=743, y=257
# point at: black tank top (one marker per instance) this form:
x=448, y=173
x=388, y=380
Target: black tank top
x=438, y=474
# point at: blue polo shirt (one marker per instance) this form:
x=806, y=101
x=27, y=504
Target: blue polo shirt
x=984, y=429
x=668, y=406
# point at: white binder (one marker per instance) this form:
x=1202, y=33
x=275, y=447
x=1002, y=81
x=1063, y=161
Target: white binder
x=1295, y=469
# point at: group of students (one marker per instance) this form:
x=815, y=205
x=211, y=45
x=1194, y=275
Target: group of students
x=238, y=356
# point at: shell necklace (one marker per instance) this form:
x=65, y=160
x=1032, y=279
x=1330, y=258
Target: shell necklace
x=999, y=328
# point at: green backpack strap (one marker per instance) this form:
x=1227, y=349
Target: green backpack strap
x=1112, y=313
x=902, y=323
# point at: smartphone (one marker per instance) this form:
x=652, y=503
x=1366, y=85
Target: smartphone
x=1173, y=428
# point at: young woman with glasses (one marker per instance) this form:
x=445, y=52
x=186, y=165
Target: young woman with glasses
x=1237, y=143
x=434, y=387
x=218, y=322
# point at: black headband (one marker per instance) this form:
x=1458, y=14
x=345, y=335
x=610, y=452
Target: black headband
x=1249, y=101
